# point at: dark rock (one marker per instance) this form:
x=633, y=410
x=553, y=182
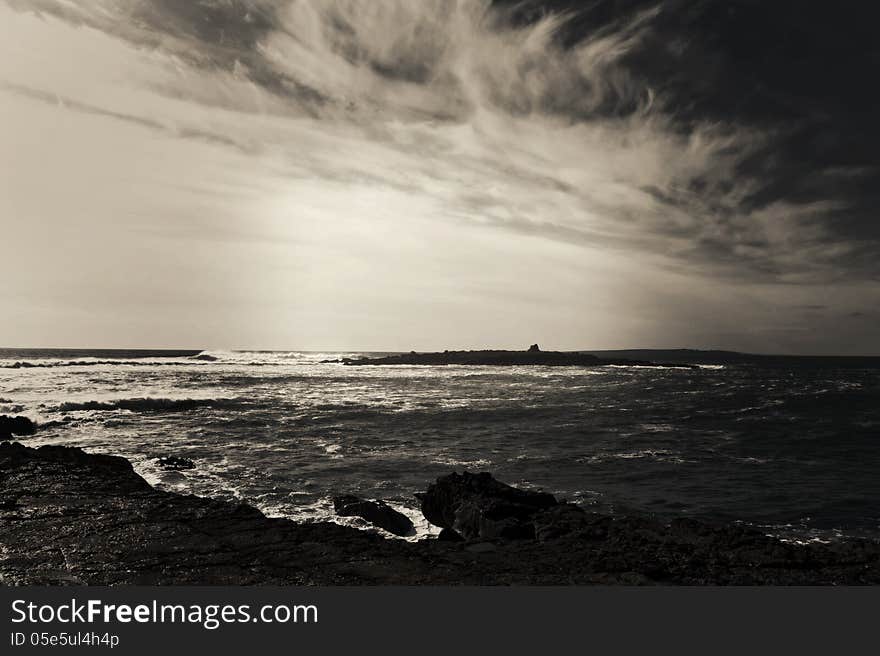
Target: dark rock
x=534, y=348
x=478, y=506
x=10, y=426
x=175, y=463
x=448, y=535
x=377, y=513
x=564, y=519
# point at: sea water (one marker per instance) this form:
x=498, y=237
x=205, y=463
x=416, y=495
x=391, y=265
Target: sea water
x=793, y=450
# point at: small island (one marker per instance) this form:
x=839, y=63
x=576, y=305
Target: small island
x=534, y=356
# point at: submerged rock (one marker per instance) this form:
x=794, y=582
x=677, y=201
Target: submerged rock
x=377, y=513
x=10, y=426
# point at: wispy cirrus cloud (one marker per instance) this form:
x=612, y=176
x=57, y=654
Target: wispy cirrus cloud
x=593, y=144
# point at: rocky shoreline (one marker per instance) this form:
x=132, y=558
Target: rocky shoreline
x=70, y=517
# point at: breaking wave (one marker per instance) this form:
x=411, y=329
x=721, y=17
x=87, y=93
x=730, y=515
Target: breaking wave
x=23, y=364
x=149, y=404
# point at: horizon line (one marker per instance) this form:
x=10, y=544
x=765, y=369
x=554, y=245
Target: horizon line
x=411, y=350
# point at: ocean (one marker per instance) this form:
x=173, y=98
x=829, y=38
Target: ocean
x=791, y=447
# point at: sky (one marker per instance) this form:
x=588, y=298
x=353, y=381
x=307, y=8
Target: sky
x=396, y=175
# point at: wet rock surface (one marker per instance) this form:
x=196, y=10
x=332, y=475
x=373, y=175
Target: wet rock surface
x=69, y=517
x=377, y=513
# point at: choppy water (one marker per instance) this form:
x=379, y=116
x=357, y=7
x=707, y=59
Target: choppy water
x=792, y=449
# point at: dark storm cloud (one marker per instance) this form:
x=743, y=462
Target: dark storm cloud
x=802, y=72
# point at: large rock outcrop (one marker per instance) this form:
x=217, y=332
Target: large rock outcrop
x=477, y=506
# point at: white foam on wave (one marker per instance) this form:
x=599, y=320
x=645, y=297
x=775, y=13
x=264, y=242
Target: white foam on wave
x=649, y=427
x=454, y=462
x=269, y=358
x=332, y=449
x=660, y=455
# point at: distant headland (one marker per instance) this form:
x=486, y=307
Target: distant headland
x=534, y=356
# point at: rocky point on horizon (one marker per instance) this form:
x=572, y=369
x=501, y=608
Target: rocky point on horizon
x=534, y=356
